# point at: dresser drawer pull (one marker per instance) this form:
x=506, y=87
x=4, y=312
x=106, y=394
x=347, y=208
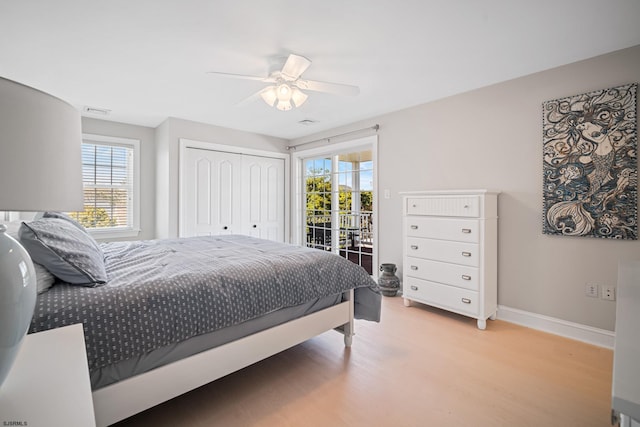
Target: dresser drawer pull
x=466, y=230
x=465, y=277
x=466, y=300
x=414, y=227
x=414, y=288
x=467, y=254
x=414, y=247
x=414, y=267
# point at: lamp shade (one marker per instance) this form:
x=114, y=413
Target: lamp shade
x=40, y=151
x=269, y=95
x=40, y=169
x=284, y=105
x=284, y=92
x=298, y=97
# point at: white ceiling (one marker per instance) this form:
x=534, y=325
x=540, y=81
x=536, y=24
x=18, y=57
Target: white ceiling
x=146, y=60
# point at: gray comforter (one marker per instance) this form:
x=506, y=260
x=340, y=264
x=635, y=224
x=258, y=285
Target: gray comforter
x=165, y=291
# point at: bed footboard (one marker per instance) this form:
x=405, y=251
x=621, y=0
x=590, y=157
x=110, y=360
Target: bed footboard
x=136, y=394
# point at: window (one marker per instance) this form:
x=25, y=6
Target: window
x=110, y=177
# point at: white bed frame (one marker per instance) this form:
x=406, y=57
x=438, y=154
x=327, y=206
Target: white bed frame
x=120, y=400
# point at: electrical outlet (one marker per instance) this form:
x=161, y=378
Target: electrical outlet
x=591, y=290
x=608, y=293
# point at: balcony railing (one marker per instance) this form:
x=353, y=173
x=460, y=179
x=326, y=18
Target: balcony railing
x=354, y=229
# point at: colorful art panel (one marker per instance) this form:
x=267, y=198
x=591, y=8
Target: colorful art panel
x=590, y=166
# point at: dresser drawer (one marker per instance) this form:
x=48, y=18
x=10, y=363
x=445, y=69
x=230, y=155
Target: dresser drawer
x=461, y=276
x=464, y=206
x=442, y=250
x=460, y=230
x=443, y=296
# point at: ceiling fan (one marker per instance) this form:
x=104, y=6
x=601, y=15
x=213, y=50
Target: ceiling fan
x=286, y=85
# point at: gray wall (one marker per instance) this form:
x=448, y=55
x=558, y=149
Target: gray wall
x=168, y=136
x=492, y=138
x=146, y=136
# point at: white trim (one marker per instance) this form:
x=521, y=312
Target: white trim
x=190, y=143
x=576, y=331
x=134, y=229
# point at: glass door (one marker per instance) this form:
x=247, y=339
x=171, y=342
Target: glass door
x=339, y=205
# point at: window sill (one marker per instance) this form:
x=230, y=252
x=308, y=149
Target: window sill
x=114, y=233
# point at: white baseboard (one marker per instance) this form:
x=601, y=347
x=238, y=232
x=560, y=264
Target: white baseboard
x=576, y=331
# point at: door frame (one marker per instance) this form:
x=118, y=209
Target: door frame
x=298, y=186
x=185, y=144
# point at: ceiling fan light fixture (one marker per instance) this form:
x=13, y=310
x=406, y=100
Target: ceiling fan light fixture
x=284, y=92
x=298, y=97
x=269, y=95
x=284, y=105
x=287, y=85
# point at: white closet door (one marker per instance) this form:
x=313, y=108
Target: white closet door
x=212, y=190
x=263, y=197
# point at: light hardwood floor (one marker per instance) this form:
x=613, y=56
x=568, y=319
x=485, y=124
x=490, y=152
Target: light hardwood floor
x=419, y=367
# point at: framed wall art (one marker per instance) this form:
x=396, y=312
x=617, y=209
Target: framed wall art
x=590, y=165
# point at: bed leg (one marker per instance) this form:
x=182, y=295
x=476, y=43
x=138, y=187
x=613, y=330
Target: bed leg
x=348, y=340
x=348, y=328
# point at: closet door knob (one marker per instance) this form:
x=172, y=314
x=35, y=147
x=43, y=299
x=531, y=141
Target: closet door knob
x=255, y=226
x=225, y=227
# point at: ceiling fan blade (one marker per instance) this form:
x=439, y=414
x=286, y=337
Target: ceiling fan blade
x=335, y=88
x=268, y=79
x=294, y=67
x=250, y=99
x=255, y=96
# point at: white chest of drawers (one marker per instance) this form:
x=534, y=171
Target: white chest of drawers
x=450, y=241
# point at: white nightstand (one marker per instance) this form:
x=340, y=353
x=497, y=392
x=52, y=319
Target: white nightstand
x=49, y=384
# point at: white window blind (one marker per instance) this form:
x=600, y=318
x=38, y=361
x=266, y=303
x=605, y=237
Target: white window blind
x=109, y=180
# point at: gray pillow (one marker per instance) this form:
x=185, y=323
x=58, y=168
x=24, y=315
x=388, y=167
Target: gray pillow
x=44, y=278
x=66, y=251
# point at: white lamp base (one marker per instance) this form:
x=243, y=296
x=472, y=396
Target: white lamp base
x=17, y=299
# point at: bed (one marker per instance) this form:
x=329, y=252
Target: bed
x=162, y=317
